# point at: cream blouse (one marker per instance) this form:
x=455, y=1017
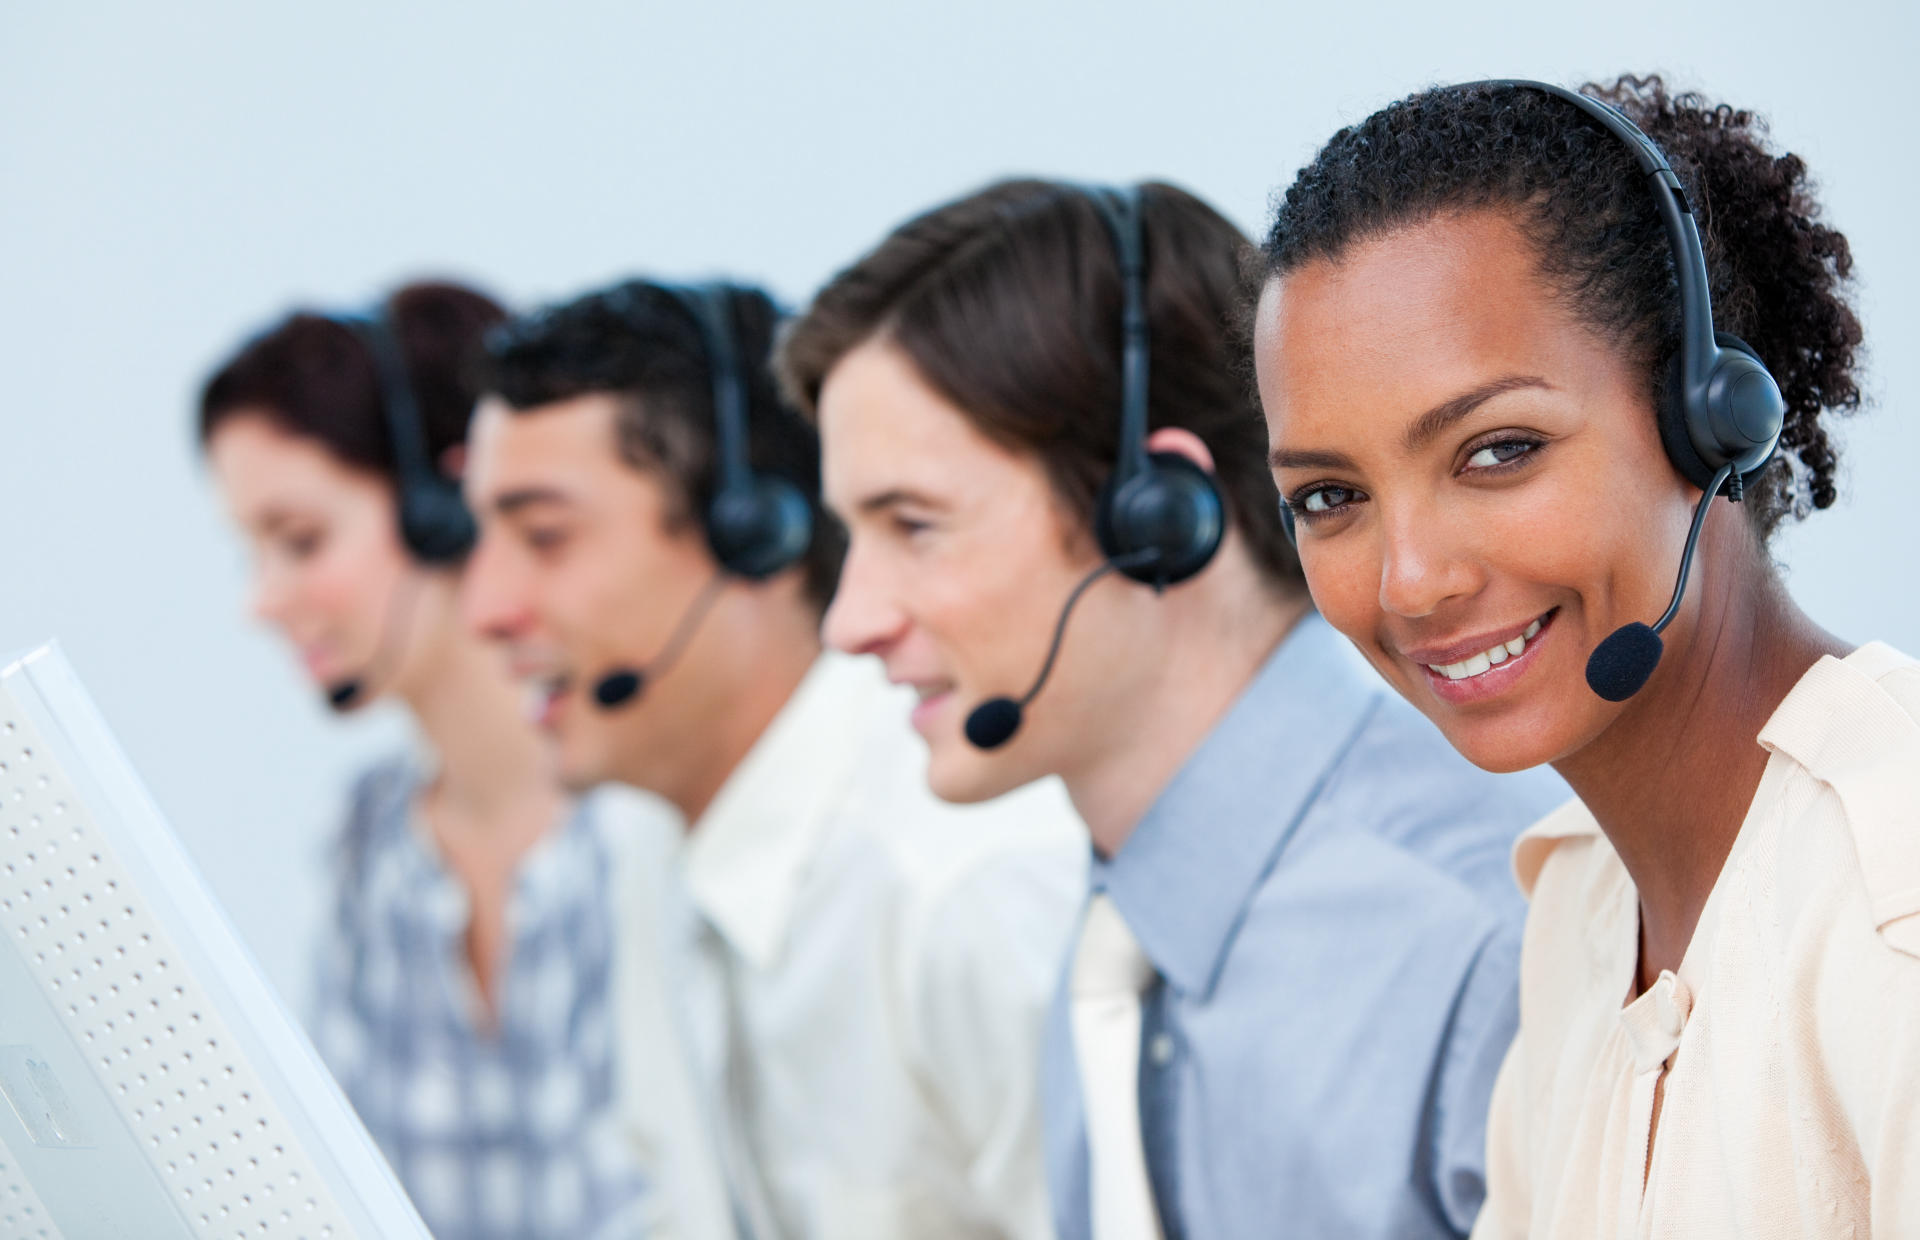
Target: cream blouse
x=1787, y=1047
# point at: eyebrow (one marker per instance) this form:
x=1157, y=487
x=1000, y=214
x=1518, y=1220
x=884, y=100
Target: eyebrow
x=1423, y=430
x=509, y=502
x=275, y=519
x=1428, y=426
x=893, y=498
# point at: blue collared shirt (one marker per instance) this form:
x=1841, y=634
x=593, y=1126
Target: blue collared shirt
x=1324, y=891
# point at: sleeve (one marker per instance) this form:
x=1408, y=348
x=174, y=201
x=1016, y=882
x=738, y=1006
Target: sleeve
x=981, y=981
x=1486, y=1016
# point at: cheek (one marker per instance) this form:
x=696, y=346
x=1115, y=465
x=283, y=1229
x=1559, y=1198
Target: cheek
x=992, y=608
x=350, y=582
x=1343, y=575
x=1598, y=528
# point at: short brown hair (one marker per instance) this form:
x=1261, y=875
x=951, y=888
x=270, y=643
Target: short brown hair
x=1009, y=302
x=638, y=342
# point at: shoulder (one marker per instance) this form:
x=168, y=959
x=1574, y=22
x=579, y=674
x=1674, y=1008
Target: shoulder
x=951, y=862
x=1416, y=794
x=378, y=803
x=382, y=782
x=947, y=868
x=1852, y=728
x=930, y=844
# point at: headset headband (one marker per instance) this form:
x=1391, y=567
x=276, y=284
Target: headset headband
x=1697, y=344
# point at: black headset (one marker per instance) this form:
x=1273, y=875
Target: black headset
x=435, y=525
x=1160, y=516
x=757, y=524
x=1721, y=410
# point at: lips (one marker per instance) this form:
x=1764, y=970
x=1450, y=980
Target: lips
x=544, y=692
x=1486, y=660
x=931, y=695
x=1481, y=667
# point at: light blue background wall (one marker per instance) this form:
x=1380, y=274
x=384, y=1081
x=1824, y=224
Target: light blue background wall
x=171, y=175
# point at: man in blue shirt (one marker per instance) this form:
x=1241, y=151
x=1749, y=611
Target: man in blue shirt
x=1293, y=982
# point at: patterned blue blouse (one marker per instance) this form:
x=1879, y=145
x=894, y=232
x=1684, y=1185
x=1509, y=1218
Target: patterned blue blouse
x=498, y=1133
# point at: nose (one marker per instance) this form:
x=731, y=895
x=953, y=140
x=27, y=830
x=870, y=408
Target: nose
x=270, y=596
x=493, y=593
x=1422, y=566
x=862, y=619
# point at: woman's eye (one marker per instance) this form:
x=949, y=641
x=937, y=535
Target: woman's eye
x=1322, y=500
x=303, y=545
x=545, y=539
x=1494, y=455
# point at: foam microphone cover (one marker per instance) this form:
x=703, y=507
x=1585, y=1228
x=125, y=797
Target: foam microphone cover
x=618, y=688
x=993, y=723
x=1620, y=665
x=344, y=694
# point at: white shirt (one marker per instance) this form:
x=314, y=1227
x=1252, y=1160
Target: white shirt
x=1786, y=1048
x=882, y=962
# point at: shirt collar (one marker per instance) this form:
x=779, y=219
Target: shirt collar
x=747, y=855
x=1852, y=723
x=1839, y=719
x=1184, y=878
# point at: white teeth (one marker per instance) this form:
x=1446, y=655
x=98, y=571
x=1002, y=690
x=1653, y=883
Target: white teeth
x=1475, y=665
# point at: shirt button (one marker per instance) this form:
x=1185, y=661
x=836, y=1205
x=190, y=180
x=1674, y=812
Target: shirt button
x=1160, y=1049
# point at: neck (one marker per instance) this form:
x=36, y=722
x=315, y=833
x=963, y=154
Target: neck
x=1702, y=712
x=495, y=777
x=738, y=698
x=1218, y=632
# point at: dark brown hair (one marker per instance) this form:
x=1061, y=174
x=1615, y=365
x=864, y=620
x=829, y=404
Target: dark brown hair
x=313, y=376
x=1009, y=302
x=1779, y=275
x=638, y=342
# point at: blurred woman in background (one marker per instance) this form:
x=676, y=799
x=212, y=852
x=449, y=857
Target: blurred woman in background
x=464, y=976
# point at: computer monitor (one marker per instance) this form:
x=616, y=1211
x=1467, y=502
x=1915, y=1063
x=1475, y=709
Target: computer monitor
x=154, y=1086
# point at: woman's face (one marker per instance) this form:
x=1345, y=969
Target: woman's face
x=1480, y=490
x=329, y=571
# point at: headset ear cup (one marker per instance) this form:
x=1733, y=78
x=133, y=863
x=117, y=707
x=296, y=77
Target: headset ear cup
x=1173, y=508
x=435, y=522
x=1754, y=440
x=1674, y=437
x=758, y=529
x=1757, y=412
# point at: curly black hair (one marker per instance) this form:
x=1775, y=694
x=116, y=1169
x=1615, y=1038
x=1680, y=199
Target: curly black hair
x=1780, y=278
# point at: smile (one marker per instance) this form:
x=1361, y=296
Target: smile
x=1480, y=668
x=1485, y=661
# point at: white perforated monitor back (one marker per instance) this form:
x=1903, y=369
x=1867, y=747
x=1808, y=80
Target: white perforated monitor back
x=151, y=1084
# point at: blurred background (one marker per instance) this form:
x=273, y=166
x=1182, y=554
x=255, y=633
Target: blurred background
x=173, y=176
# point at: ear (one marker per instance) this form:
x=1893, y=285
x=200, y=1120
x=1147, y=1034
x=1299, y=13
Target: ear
x=453, y=462
x=1181, y=442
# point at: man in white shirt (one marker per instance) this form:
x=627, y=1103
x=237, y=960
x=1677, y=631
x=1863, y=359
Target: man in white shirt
x=861, y=971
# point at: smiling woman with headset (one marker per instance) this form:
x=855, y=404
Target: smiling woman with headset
x=464, y=981
x=1504, y=405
